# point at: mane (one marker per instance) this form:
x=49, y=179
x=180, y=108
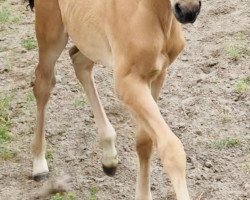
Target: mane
x=31, y=4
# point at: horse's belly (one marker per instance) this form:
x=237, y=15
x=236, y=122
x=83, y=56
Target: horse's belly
x=85, y=23
x=95, y=47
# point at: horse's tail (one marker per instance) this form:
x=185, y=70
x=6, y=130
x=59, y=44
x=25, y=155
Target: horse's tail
x=31, y=3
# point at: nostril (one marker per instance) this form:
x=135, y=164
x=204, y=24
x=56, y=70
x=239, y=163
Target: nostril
x=178, y=9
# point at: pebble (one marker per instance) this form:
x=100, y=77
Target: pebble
x=205, y=177
x=23, y=51
x=218, y=178
x=198, y=132
x=100, y=179
x=206, y=70
x=208, y=164
x=184, y=58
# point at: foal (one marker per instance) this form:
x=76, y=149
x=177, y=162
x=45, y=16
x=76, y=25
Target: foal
x=140, y=39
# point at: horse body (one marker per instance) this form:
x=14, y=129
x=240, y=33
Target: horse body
x=140, y=39
x=115, y=25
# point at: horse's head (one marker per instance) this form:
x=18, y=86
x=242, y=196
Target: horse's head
x=186, y=11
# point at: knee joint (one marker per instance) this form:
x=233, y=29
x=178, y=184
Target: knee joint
x=172, y=152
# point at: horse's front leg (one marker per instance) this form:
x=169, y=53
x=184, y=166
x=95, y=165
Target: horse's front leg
x=133, y=89
x=144, y=146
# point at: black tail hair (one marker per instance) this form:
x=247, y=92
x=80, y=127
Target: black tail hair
x=31, y=4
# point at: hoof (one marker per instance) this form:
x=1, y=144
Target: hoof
x=110, y=171
x=41, y=176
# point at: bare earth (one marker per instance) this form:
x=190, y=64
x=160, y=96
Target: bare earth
x=201, y=101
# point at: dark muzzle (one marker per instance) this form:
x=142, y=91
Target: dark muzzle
x=186, y=14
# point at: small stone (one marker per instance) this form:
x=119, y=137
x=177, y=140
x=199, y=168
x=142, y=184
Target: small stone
x=23, y=51
x=216, y=170
x=184, y=58
x=181, y=125
x=73, y=90
x=206, y=70
x=212, y=64
x=204, y=177
x=198, y=177
x=189, y=159
x=69, y=159
x=218, y=178
x=208, y=164
x=153, y=188
x=100, y=179
x=198, y=132
x=199, y=80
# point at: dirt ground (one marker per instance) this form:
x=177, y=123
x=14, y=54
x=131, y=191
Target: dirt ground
x=205, y=101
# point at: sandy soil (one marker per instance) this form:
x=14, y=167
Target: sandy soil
x=202, y=101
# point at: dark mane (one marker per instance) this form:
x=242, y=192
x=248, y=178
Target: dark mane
x=31, y=4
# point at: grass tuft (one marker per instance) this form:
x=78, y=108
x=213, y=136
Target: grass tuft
x=6, y=154
x=5, y=122
x=238, y=47
x=225, y=116
x=79, y=103
x=225, y=143
x=242, y=85
x=7, y=17
x=49, y=155
x=93, y=194
x=30, y=97
x=68, y=196
x=28, y=43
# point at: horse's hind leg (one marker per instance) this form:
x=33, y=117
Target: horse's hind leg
x=51, y=41
x=83, y=69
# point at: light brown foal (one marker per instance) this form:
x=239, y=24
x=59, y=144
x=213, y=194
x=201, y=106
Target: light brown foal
x=140, y=39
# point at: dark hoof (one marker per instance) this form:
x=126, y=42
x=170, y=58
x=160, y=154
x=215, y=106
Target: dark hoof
x=110, y=171
x=41, y=177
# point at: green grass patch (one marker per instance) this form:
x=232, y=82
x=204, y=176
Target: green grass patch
x=5, y=135
x=49, y=155
x=79, y=103
x=242, y=85
x=7, y=17
x=6, y=154
x=3, y=49
x=30, y=97
x=5, y=125
x=93, y=194
x=5, y=122
x=28, y=43
x=246, y=167
x=238, y=47
x=225, y=117
x=225, y=143
x=68, y=196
